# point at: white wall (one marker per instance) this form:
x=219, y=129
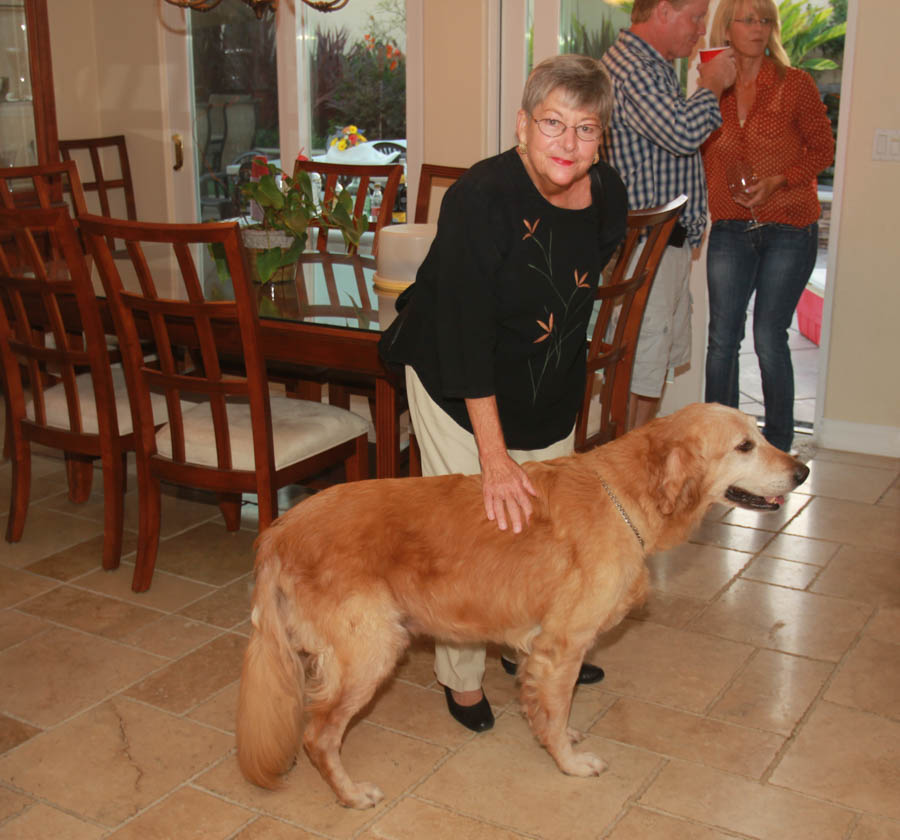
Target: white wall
x=111, y=76
x=861, y=405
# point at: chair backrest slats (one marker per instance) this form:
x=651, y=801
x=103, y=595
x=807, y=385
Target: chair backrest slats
x=360, y=177
x=92, y=149
x=433, y=175
x=50, y=326
x=185, y=318
x=622, y=300
x=43, y=185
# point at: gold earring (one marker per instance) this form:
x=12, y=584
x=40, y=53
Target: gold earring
x=522, y=147
x=596, y=157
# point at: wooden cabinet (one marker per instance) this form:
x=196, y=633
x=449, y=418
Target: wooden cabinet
x=27, y=107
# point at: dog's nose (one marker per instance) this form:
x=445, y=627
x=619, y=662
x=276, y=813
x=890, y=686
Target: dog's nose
x=800, y=474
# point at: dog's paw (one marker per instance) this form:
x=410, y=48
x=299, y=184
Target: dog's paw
x=583, y=764
x=575, y=736
x=363, y=795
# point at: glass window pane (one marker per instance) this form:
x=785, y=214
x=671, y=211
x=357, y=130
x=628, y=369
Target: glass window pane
x=17, y=137
x=529, y=37
x=235, y=100
x=590, y=27
x=357, y=79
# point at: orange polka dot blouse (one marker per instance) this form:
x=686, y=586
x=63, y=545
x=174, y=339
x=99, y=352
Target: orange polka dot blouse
x=787, y=132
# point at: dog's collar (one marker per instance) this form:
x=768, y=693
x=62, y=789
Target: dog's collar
x=625, y=516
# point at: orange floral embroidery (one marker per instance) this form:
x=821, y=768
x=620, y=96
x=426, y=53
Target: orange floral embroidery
x=531, y=228
x=581, y=282
x=548, y=328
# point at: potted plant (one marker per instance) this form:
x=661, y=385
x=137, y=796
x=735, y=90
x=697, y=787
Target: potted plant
x=289, y=206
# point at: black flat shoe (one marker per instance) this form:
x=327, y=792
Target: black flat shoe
x=588, y=674
x=478, y=718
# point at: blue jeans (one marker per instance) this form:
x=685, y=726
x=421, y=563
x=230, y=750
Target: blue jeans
x=775, y=261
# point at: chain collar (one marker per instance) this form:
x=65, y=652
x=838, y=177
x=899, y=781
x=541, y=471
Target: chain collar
x=622, y=511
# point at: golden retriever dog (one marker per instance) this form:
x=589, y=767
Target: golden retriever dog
x=345, y=578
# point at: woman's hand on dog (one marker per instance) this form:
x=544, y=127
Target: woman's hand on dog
x=505, y=486
x=506, y=490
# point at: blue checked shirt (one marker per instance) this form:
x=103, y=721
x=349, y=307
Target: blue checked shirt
x=654, y=136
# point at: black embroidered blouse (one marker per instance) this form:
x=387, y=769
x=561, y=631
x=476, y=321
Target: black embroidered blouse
x=502, y=301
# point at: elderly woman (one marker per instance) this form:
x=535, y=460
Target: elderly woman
x=493, y=335
x=763, y=239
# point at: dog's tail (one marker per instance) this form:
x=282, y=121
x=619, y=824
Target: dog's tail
x=270, y=706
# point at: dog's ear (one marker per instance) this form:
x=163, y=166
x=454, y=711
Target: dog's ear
x=676, y=476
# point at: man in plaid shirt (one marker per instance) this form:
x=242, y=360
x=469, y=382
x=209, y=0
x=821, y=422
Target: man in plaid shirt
x=653, y=140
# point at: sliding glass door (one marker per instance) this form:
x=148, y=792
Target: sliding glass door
x=325, y=85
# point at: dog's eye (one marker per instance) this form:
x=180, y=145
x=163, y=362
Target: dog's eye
x=746, y=446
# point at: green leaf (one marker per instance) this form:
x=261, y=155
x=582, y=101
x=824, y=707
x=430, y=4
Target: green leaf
x=826, y=36
x=345, y=199
x=817, y=64
x=293, y=253
x=217, y=251
x=296, y=222
x=269, y=194
x=303, y=184
x=804, y=29
x=270, y=260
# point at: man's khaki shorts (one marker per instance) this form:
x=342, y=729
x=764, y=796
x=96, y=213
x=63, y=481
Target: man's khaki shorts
x=665, y=338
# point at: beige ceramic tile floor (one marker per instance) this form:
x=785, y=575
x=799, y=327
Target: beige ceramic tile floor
x=756, y=695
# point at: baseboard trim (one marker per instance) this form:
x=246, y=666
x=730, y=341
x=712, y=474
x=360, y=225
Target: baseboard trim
x=857, y=437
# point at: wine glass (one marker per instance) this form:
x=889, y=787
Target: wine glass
x=740, y=177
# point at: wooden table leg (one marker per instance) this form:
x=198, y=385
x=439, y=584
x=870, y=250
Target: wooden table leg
x=387, y=430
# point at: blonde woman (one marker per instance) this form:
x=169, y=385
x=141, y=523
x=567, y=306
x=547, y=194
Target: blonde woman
x=764, y=235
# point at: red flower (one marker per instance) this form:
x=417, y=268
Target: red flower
x=259, y=166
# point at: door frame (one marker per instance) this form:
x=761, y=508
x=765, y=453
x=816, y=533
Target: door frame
x=40, y=69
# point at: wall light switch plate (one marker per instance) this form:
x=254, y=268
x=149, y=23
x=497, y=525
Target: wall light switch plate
x=886, y=145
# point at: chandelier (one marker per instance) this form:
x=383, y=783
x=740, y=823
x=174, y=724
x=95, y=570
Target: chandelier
x=260, y=7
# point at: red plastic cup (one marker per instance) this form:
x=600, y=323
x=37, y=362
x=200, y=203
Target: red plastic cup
x=709, y=53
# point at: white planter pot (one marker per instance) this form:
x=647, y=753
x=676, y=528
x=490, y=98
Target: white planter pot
x=258, y=239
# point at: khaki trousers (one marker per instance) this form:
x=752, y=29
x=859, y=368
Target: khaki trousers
x=447, y=448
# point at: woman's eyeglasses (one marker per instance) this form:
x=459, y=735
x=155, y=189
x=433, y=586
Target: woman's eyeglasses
x=551, y=127
x=752, y=21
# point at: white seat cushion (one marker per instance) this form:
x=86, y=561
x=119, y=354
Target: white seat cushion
x=58, y=412
x=300, y=429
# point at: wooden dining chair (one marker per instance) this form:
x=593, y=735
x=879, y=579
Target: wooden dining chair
x=43, y=185
x=433, y=176
x=85, y=412
x=359, y=177
x=106, y=170
x=115, y=194
x=622, y=300
x=346, y=275
x=238, y=438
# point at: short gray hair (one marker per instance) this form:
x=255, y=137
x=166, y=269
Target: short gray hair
x=582, y=80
